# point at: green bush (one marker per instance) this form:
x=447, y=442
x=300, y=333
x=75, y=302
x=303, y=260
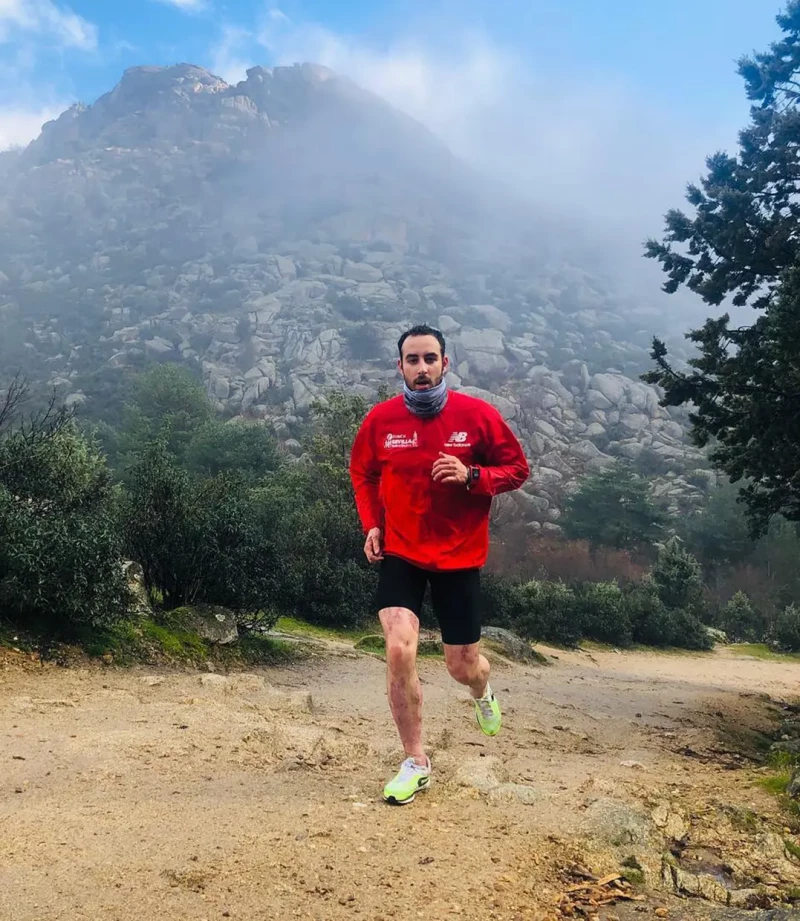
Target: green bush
x=739, y=621
x=167, y=402
x=247, y=449
x=326, y=579
x=613, y=508
x=549, y=611
x=329, y=581
x=678, y=577
x=363, y=341
x=604, y=615
x=787, y=628
x=650, y=620
x=500, y=601
x=678, y=582
x=60, y=560
x=601, y=611
x=200, y=539
x=654, y=624
x=555, y=612
x=690, y=632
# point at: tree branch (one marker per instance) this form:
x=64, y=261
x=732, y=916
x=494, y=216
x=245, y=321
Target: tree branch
x=16, y=394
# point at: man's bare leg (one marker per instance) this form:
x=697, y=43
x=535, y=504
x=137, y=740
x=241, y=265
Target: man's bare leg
x=401, y=632
x=468, y=666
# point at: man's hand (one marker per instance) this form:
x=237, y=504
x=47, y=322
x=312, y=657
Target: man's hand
x=449, y=469
x=374, y=545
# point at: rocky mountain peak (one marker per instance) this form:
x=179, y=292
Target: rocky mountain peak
x=307, y=108
x=128, y=115
x=142, y=86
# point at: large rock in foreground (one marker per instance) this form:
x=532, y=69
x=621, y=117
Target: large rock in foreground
x=212, y=623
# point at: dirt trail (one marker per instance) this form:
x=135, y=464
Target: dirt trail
x=131, y=794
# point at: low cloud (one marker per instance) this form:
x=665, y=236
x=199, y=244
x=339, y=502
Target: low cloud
x=228, y=58
x=586, y=146
x=590, y=152
x=19, y=126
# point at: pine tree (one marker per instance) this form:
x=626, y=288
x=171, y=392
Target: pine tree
x=613, y=508
x=741, y=243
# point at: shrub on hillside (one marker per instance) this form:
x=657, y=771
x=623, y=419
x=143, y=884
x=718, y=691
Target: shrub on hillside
x=678, y=577
x=363, y=341
x=500, y=601
x=787, y=628
x=60, y=560
x=604, y=615
x=249, y=450
x=739, y=621
x=328, y=580
x=168, y=402
x=613, y=508
x=199, y=539
x=549, y=611
x=655, y=624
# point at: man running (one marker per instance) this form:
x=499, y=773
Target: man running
x=425, y=466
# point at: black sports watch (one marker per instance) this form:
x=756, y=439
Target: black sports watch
x=473, y=475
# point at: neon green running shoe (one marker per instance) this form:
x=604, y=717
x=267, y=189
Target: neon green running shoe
x=412, y=778
x=487, y=711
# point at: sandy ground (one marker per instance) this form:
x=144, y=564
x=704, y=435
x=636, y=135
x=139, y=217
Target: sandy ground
x=133, y=794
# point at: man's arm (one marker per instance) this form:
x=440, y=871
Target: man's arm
x=506, y=467
x=365, y=475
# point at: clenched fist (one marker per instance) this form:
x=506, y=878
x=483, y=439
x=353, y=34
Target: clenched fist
x=374, y=545
x=449, y=469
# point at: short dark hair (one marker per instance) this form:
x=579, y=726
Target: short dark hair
x=422, y=330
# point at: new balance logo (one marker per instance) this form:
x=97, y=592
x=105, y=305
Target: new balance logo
x=458, y=440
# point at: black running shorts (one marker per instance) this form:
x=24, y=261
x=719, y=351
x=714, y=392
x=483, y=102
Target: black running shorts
x=455, y=594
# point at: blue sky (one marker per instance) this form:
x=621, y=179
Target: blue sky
x=680, y=53
x=599, y=109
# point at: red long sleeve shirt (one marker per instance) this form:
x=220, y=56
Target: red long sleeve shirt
x=437, y=526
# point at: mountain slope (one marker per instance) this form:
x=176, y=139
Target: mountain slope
x=278, y=235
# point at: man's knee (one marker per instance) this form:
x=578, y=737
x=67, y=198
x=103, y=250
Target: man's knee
x=463, y=662
x=401, y=632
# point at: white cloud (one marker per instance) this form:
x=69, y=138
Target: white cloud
x=30, y=31
x=33, y=81
x=19, y=126
x=44, y=19
x=188, y=6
